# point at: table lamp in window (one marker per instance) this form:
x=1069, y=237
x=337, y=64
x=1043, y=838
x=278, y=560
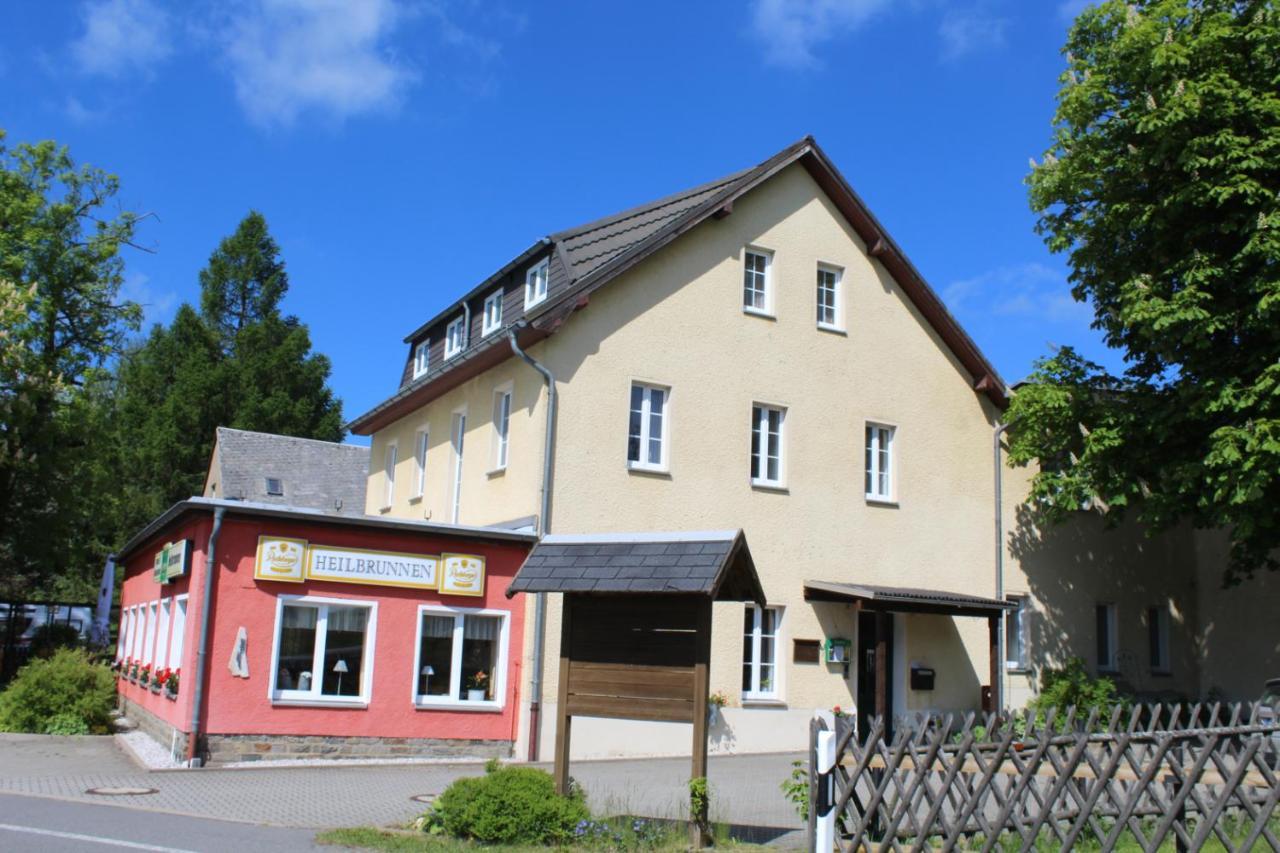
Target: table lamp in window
x=340, y=667
x=427, y=672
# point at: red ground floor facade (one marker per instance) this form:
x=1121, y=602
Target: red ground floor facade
x=327, y=636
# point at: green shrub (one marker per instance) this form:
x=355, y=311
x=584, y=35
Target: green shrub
x=509, y=805
x=1071, y=685
x=51, y=692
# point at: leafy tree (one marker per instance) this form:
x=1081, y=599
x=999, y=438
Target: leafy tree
x=237, y=362
x=64, y=319
x=1162, y=185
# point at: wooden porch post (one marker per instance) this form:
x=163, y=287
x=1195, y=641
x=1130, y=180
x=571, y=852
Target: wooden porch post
x=701, y=685
x=882, y=665
x=562, y=701
x=993, y=635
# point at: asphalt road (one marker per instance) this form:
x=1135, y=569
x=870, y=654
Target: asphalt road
x=59, y=826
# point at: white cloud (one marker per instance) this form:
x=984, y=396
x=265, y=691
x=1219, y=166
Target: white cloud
x=965, y=32
x=790, y=30
x=1023, y=290
x=122, y=36
x=157, y=307
x=330, y=57
x=78, y=113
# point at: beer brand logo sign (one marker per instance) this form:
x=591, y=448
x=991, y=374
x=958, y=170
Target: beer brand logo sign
x=297, y=560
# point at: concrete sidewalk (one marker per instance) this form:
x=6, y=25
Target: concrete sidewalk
x=744, y=789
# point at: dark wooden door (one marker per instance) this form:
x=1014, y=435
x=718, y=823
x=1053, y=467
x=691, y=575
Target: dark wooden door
x=875, y=638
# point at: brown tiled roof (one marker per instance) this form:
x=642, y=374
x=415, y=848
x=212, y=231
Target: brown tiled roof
x=715, y=563
x=585, y=258
x=905, y=599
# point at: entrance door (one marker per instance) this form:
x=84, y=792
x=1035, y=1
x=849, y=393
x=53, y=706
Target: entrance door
x=875, y=638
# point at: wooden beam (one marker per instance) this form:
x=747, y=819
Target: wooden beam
x=701, y=687
x=882, y=665
x=563, y=720
x=723, y=210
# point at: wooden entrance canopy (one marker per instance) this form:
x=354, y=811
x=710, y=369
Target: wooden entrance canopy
x=635, y=639
x=883, y=600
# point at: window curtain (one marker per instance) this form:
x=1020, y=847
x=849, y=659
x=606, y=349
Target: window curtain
x=480, y=628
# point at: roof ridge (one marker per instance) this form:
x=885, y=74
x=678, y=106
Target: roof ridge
x=276, y=435
x=650, y=206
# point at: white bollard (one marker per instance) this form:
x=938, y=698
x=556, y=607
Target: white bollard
x=824, y=835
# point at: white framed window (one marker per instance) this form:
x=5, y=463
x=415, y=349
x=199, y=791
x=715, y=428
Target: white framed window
x=757, y=285
x=535, y=284
x=760, y=637
x=647, y=427
x=492, y=320
x=766, y=445
x=829, y=301
x=122, y=638
x=1107, y=632
x=501, y=427
x=461, y=658
x=1158, y=638
x=136, y=632
x=457, y=434
x=275, y=486
x=421, y=358
x=879, y=457
x=420, y=463
x=323, y=650
x=455, y=337
x=162, y=633
x=178, y=634
x=149, y=637
x=389, y=475
x=1016, y=635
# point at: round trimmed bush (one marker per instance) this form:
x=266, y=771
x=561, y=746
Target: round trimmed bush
x=66, y=693
x=509, y=805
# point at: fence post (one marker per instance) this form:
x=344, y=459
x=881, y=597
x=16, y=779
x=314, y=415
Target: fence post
x=824, y=836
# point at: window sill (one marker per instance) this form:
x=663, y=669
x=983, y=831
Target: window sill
x=834, y=330
x=759, y=312
x=1017, y=670
x=874, y=500
x=484, y=333
x=664, y=473
x=763, y=702
x=470, y=707
x=534, y=304
x=360, y=704
x=767, y=486
x=496, y=472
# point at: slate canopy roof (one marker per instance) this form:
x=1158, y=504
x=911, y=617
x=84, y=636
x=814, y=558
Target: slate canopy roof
x=901, y=599
x=716, y=564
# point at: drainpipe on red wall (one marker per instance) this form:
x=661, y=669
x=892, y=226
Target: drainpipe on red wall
x=544, y=526
x=202, y=647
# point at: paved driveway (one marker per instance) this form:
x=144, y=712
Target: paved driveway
x=744, y=789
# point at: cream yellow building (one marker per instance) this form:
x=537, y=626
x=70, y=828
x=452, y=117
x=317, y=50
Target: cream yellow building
x=758, y=353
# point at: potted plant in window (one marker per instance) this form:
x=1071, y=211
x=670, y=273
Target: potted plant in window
x=171, y=685
x=478, y=686
x=144, y=675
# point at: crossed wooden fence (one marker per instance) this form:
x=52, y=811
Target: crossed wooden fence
x=1138, y=775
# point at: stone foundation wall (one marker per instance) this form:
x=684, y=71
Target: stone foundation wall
x=225, y=749
x=159, y=730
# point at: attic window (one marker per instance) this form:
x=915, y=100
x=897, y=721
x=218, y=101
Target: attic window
x=421, y=358
x=453, y=340
x=275, y=487
x=535, y=284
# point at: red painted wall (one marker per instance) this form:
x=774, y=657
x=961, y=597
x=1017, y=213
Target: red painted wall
x=243, y=706
x=139, y=587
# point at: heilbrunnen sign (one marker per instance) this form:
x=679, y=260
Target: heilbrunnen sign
x=297, y=560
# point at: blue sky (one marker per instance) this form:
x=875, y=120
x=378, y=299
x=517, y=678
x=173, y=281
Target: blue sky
x=402, y=150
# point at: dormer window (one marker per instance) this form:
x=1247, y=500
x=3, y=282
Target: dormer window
x=535, y=285
x=421, y=358
x=492, y=314
x=275, y=487
x=453, y=338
